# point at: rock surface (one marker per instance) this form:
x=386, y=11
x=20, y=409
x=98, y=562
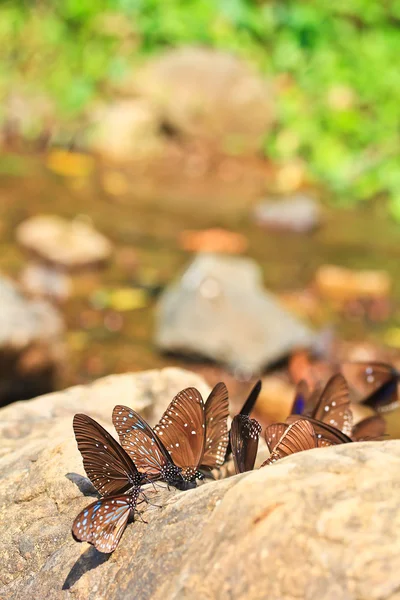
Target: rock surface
x=321, y=524
x=31, y=344
x=210, y=95
x=72, y=245
x=297, y=213
x=219, y=309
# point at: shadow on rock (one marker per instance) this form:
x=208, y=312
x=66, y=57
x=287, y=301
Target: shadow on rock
x=91, y=559
x=83, y=484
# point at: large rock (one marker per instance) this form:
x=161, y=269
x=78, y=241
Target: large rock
x=126, y=130
x=220, y=310
x=31, y=344
x=210, y=95
x=321, y=524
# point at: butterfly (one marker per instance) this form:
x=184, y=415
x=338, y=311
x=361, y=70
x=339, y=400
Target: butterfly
x=374, y=382
x=326, y=434
x=115, y=476
x=196, y=434
x=371, y=428
x=296, y=437
x=145, y=448
x=246, y=410
x=331, y=406
x=244, y=437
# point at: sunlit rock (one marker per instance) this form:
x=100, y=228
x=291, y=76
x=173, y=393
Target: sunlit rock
x=72, y=245
x=319, y=524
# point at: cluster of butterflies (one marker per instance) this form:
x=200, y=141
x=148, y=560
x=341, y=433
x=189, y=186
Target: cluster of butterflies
x=192, y=440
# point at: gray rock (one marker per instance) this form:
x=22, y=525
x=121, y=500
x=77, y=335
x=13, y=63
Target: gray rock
x=297, y=213
x=320, y=524
x=31, y=344
x=209, y=95
x=220, y=310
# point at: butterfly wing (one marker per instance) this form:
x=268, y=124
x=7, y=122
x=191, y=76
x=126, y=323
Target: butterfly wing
x=244, y=436
x=375, y=383
x=182, y=429
x=371, y=428
x=217, y=435
x=298, y=437
x=273, y=434
x=103, y=522
x=107, y=465
x=323, y=431
x=333, y=406
x=251, y=399
x=140, y=442
x=246, y=410
x=366, y=377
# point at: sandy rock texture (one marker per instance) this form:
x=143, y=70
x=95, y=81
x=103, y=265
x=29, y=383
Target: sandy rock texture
x=322, y=524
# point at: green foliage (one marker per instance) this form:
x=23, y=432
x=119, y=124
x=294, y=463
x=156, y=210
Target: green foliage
x=334, y=65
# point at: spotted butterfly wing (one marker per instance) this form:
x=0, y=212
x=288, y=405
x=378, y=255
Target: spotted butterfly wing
x=217, y=435
x=326, y=434
x=375, y=383
x=244, y=437
x=246, y=410
x=144, y=446
x=333, y=406
x=371, y=428
x=298, y=437
x=366, y=377
x=273, y=434
x=182, y=428
x=103, y=522
x=107, y=465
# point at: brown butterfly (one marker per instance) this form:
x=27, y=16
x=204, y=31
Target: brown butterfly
x=246, y=410
x=196, y=434
x=369, y=429
x=244, y=436
x=375, y=383
x=297, y=437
